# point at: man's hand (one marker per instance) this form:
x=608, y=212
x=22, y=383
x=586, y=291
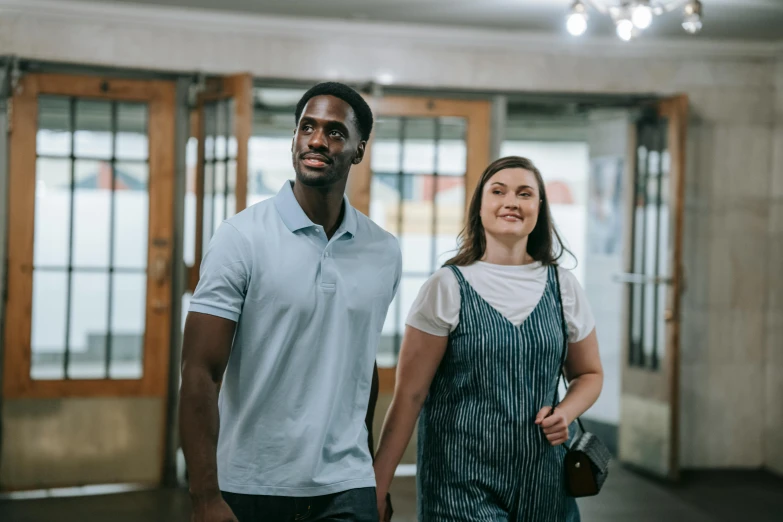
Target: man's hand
x=212, y=509
x=385, y=510
x=554, y=423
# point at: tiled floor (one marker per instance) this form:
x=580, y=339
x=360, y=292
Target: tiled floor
x=627, y=497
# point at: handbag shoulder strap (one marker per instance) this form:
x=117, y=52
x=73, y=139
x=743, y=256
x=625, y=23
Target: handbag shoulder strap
x=564, y=326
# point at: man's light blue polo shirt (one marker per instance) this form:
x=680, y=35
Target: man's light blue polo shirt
x=309, y=315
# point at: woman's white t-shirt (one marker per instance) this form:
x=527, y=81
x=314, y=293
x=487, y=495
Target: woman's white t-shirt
x=512, y=290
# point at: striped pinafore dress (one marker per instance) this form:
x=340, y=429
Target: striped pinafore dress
x=480, y=455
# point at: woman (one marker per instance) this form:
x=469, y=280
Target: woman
x=480, y=359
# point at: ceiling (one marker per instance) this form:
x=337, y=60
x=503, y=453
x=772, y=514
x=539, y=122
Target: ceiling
x=723, y=19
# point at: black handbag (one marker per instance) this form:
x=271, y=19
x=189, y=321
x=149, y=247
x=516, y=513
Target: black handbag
x=587, y=458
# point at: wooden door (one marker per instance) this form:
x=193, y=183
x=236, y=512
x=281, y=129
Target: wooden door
x=90, y=242
x=222, y=121
x=649, y=408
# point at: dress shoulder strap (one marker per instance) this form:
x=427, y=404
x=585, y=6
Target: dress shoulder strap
x=552, y=278
x=458, y=274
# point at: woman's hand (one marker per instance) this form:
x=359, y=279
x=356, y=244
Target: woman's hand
x=554, y=423
x=586, y=376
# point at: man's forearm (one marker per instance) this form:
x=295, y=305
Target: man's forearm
x=199, y=425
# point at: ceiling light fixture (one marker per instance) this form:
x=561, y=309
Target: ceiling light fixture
x=577, y=20
x=631, y=17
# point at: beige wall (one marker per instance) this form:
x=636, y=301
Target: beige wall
x=732, y=212
x=726, y=259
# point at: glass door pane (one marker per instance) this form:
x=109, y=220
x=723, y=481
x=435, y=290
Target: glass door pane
x=220, y=156
x=651, y=245
x=91, y=239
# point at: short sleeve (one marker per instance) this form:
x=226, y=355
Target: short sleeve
x=398, y=272
x=576, y=308
x=224, y=275
x=436, y=309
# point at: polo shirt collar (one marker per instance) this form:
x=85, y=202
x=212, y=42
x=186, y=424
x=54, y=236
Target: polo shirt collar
x=295, y=218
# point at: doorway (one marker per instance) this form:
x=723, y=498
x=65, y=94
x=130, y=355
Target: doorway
x=617, y=170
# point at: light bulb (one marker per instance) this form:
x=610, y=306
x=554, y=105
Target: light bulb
x=692, y=21
x=642, y=16
x=576, y=24
x=625, y=29
x=692, y=24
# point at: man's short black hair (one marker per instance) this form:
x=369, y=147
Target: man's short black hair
x=351, y=97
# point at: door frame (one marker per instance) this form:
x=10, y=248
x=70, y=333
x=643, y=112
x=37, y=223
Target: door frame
x=160, y=96
x=477, y=115
x=676, y=111
x=4, y=164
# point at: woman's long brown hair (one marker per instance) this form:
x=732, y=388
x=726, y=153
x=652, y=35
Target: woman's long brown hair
x=543, y=244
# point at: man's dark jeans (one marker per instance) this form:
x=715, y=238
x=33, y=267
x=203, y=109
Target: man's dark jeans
x=354, y=505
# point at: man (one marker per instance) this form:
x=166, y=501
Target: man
x=285, y=323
